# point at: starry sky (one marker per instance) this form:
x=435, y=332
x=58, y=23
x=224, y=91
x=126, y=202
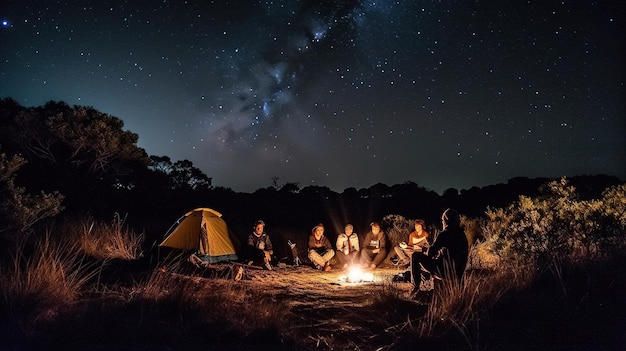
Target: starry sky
x=342, y=93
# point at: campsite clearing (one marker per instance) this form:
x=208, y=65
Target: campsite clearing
x=324, y=309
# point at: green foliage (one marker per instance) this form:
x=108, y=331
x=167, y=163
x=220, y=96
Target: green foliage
x=557, y=226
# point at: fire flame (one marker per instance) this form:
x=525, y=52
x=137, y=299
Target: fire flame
x=356, y=275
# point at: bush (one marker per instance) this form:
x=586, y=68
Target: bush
x=557, y=226
x=397, y=229
x=19, y=210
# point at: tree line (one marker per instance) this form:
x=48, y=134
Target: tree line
x=75, y=161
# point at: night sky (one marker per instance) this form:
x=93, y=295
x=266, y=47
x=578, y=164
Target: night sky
x=446, y=94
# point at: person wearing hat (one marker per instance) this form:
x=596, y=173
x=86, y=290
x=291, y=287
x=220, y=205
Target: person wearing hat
x=374, y=247
x=320, y=249
x=348, y=247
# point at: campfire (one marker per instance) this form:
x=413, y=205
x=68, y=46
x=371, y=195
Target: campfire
x=356, y=275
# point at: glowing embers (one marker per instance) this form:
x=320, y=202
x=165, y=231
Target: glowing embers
x=356, y=275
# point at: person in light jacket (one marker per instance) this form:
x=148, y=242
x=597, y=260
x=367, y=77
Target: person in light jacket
x=347, y=247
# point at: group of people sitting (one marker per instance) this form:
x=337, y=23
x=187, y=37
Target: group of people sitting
x=444, y=258
x=349, y=252
x=320, y=251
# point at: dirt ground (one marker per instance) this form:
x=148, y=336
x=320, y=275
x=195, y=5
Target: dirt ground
x=329, y=312
x=313, y=285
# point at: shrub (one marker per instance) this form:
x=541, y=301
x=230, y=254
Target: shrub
x=556, y=226
x=397, y=229
x=551, y=233
x=19, y=210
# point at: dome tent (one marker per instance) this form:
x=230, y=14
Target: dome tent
x=203, y=230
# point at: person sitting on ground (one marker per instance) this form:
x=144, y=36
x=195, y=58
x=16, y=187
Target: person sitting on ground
x=374, y=247
x=447, y=255
x=418, y=242
x=320, y=249
x=259, y=250
x=234, y=271
x=347, y=247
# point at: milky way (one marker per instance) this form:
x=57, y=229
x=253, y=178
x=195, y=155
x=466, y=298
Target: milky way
x=446, y=94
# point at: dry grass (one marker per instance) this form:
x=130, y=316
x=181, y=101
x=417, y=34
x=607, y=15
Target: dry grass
x=220, y=300
x=106, y=240
x=459, y=305
x=48, y=291
x=35, y=286
x=287, y=308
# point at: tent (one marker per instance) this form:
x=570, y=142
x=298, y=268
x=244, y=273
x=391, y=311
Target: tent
x=204, y=230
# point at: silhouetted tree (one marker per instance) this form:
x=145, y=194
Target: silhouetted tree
x=185, y=175
x=80, y=152
x=90, y=141
x=290, y=188
x=161, y=164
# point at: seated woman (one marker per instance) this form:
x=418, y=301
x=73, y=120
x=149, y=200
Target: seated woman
x=320, y=249
x=418, y=242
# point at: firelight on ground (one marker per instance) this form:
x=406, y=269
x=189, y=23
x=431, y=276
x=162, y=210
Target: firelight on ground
x=356, y=275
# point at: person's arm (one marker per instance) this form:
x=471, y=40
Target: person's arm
x=268, y=244
x=411, y=239
x=383, y=241
x=340, y=242
x=433, y=250
x=418, y=243
x=327, y=244
x=354, y=241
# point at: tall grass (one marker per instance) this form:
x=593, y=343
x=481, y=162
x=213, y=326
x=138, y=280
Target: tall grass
x=106, y=240
x=460, y=305
x=536, y=238
x=40, y=280
x=218, y=300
